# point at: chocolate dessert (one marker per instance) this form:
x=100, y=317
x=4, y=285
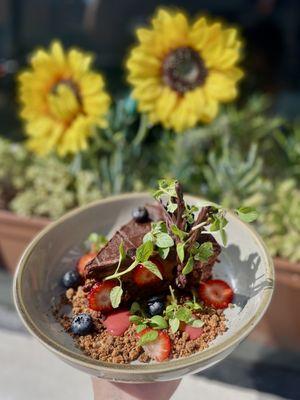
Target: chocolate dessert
x=148, y=292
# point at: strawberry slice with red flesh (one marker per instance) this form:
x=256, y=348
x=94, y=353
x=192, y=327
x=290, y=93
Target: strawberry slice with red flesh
x=99, y=299
x=83, y=261
x=117, y=322
x=143, y=277
x=216, y=293
x=160, y=348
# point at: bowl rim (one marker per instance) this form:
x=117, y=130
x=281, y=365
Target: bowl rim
x=83, y=361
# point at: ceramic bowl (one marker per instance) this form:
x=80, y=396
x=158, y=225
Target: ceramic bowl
x=245, y=265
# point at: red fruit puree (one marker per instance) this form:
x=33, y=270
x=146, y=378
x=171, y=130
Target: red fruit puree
x=117, y=322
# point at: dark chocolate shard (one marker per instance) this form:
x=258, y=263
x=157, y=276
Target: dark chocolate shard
x=131, y=235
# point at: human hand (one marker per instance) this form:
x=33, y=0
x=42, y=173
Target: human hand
x=129, y=391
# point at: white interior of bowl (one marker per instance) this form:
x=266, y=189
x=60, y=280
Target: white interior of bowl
x=244, y=264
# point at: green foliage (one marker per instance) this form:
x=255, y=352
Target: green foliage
x=49, y=189
x=280, y=225
x=233, y=178
x=231, y=161
x=13, y=160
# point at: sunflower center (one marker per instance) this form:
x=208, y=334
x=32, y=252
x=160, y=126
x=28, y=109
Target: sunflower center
x=64, y=100
x=184, y=70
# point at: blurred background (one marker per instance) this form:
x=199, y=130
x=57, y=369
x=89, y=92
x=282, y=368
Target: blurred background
x=250, y=153
x=271, y=29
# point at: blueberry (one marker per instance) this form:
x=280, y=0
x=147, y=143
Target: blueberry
x=155, y=305
x=82, y=324
x=140, y=214
x=71, y=279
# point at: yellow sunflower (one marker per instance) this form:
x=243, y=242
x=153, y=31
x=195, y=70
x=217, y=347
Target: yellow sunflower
x=62, y=100
x=180, y=72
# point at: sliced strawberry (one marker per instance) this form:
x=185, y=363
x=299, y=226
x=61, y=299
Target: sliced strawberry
x=160, y=348
x=193, y=333
x=117, y=322
x=216, y=293
x=143, y=277
x=83, y=261
x=98, y=297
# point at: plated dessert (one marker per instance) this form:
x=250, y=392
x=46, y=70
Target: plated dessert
x=149, y=292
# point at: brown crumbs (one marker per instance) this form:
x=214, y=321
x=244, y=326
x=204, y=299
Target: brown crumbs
x=101, y=345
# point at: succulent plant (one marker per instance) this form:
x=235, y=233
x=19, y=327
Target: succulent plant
x=13, y=160
x=50, y=189
x=280, y=224
x=232, y=178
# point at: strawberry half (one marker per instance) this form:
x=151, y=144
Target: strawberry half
x=83, y=261
x=98, y=297
x=143, y=277
x=160, y=348
x=216, y=293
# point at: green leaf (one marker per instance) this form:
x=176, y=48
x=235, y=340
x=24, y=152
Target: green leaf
x=164, y=240
x=170, y=310
x=178, y=232
x=183, y=314
x=188, y=266
x=159, y=322
x=115, y=296
x=140, y=328
x=149, y=336
x=223, y=236
x=135, y=319
x=204, y=252
x=148, y=237
x=247, y=214
x=144, y=251
x=135, y=307
x=174, y=324
x=171, y=207
x=215, y=226
x=197, y=323
x=180, y=251
x=152, y=268
x=163, y=253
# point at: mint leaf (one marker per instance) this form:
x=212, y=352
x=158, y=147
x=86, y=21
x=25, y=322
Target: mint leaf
x=149, y=336
x=140, y=328
x=204, y=252
x=144, y=251
x=180, y=251
x=215, y=226
x=174, y=324
x=163, y=253
x=135, y=319
x=148, y=237
x=165, y=187
x=178, y=232
x=197, y=323
x=183, y=314
x=171, y=207
x=188, y=266
x=164, y=240
x=247, y=214
x=223, y=236
x=170, y=310
x=159, y=322
x=152, y=268
x=115, y=296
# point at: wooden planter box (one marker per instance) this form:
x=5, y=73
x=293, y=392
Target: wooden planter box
x=16, y=233
x=279, y=327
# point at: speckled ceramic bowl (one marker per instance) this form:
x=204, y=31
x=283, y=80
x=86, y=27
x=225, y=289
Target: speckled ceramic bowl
x=245, y=264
